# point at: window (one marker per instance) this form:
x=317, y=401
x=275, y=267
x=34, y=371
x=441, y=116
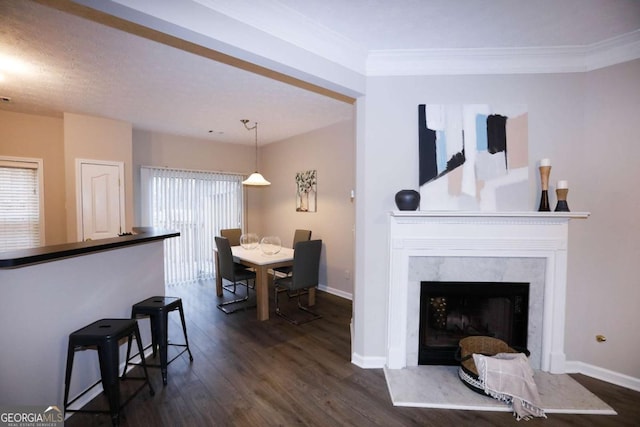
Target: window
x=21, y=206
x=197, y=204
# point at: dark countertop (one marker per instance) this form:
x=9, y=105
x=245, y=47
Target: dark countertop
x=24, y=257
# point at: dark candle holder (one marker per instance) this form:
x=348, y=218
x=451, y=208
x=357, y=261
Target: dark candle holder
x=562, y=205
x=544, y=181
x=544, y=202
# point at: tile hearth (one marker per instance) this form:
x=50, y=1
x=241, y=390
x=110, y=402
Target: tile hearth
x=439, y=387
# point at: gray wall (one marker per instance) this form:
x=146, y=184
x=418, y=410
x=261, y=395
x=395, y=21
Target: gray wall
x=331, y=152
x=575, y=120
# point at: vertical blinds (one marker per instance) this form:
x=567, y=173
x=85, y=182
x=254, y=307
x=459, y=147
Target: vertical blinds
x=19, y=205
x=197, y=204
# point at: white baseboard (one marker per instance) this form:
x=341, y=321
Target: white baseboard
x=336, y=292
x=623, y=380
x=368, y=362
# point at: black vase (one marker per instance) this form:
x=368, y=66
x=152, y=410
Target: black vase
x=407, y=200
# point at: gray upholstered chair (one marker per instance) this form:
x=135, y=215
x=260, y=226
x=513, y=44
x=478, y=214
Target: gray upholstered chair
x=304, y=275
x=298, y=236
x=233, y=234
x=232, y=272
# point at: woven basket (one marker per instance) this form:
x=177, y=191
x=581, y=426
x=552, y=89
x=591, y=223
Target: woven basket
x=486, y=346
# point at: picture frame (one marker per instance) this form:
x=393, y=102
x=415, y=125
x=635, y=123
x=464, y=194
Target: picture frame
x=306, y=191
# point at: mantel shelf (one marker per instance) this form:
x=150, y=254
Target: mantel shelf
x=482, y=214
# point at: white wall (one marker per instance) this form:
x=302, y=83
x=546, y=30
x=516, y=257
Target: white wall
x=573, y=118
x=50, y=300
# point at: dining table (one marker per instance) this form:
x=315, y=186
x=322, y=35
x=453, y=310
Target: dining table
x=261, y=262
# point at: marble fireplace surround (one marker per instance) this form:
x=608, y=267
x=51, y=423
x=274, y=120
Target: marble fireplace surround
x=480, y=246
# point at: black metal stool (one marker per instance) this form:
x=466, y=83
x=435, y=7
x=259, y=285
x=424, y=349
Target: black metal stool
x=158, y=309
x=104, y=334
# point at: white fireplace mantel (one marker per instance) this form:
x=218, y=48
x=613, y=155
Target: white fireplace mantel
x=480, y=234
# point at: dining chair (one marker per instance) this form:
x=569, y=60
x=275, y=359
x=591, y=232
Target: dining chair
x=298, y=236
x=304, y=275
x=233, y=234
x=232, y=272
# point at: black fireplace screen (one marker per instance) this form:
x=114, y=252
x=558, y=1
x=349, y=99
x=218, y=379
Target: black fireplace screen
x=450, y=311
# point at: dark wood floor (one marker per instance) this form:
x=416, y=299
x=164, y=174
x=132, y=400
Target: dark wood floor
x=250, y=373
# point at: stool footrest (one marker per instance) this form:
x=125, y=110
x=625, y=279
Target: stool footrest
x=104, y=336
x=105, y=411
x=158, y=308
x=150, y=365
x=80, y=395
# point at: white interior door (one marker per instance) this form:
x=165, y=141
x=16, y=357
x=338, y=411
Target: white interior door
x=101, y=199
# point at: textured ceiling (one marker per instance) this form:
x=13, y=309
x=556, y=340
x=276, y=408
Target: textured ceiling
x=75, y=65
x=71, y=64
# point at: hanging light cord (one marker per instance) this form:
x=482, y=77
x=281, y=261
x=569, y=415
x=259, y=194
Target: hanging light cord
x=255, y=126
x=255, y=178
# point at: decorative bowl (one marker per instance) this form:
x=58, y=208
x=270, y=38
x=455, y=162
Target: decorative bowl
x=270, y=245
x=249, y=240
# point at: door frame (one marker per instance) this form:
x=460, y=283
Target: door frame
x=121, y=190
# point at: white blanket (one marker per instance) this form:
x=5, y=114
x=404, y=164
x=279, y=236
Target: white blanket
x=509, y=378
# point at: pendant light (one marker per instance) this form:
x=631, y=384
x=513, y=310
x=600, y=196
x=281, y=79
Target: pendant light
x=255, y=178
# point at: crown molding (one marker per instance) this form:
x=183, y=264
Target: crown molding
x=291, y=27
x=613, y=51
x=533, y=60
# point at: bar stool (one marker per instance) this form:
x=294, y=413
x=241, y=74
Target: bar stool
x=104, y=334
x=158, y=309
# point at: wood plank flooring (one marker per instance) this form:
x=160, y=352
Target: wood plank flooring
x=250, y=373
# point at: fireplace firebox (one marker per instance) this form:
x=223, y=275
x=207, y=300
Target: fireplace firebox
x=450, y=311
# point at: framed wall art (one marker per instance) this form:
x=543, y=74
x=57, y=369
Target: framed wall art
x=306, y=191
x=473, y=157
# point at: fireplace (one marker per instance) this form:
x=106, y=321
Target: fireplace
x=451, y=311
x=459, y=246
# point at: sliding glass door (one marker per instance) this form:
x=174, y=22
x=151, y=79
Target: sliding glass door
x=197, y=204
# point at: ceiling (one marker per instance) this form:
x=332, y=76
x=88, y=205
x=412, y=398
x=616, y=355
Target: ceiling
x=54, y=61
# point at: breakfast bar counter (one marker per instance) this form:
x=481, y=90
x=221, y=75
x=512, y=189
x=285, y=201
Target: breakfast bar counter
x=51, y=291
x=29, y=256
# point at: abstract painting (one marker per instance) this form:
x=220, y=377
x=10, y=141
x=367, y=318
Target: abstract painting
x=306, y=191
x=473, y=157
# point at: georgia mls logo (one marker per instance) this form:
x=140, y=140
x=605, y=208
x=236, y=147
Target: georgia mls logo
x=31, y=416
x=55, y=410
